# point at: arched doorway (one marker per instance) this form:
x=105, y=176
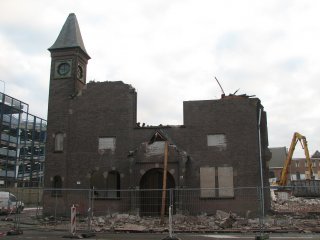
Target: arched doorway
x=151, y=192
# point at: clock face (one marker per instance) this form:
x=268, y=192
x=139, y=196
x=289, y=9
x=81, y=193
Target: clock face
x=64, y=69
x=80, y=72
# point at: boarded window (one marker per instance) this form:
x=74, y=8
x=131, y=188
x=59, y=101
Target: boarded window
x=207, y=182
x=58, y=142
x=216, y=182
x=107, y=143
x=225, y=177
x=217, y=140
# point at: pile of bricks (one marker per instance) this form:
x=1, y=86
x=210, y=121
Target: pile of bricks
x=292, y=214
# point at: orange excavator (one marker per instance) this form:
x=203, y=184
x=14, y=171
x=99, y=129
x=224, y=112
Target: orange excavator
x=285, y=170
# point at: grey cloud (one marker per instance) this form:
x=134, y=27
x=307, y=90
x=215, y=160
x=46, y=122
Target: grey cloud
x=292, y=64
x=229, y=41
x=27, y=40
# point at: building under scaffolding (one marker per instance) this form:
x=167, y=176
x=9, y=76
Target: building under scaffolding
x=22, y=148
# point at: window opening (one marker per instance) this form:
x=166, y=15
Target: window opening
x=217, y=140
x=57, y=185
x=58, y=143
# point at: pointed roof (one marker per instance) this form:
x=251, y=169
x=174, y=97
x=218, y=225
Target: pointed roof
x=316, y=154
x=70, y=35
x=159, y=135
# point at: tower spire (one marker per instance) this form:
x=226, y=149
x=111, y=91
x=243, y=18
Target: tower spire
x=70, y=36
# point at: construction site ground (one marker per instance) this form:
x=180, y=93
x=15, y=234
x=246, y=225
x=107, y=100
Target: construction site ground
x=297, y=216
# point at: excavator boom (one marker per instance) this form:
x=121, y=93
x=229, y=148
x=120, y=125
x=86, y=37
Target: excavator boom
x=285, y=170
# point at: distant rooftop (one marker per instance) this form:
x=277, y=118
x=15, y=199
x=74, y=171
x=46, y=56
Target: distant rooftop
x=316, y=154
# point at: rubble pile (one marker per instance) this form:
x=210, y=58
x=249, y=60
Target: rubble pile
x=221, y=221
x=124, y=222
x=296, y=205
x=293, y=214
x=183, y=223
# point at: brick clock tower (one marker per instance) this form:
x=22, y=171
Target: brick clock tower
x=69, y=60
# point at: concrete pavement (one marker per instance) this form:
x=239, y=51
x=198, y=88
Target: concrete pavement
x=55, y=235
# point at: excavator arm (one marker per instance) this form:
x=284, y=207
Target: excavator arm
x=285, y=170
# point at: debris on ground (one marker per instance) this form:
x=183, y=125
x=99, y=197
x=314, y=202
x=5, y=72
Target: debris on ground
x=293, y=214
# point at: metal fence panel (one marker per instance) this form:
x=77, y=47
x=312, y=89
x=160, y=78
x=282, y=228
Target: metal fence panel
x=139, y=210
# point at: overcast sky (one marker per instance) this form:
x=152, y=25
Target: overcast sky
x=171, y=50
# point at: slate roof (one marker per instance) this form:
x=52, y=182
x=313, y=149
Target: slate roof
x=70, y=35
x=316, y=154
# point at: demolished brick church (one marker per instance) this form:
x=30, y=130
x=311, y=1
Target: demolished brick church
x=94, y=142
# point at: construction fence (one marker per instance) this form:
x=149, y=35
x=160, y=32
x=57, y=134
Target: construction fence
x=192, y=210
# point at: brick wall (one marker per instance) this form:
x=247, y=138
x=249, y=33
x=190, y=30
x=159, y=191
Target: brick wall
x=108, y=109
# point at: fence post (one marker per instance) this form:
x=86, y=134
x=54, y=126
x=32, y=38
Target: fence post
x=38, y=201
x=89, y=209
x=170, y=221
x=73, y=220
x=260, y=196
x=92, y=201
x=260, y=208
x=170, y=217
x=17, y=211
x=55, y=208
x=132, y=205
x=171, y=212
x=137, y=199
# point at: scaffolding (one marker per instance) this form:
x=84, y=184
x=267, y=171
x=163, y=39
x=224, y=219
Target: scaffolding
x=22, y=148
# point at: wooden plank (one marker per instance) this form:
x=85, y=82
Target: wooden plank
x=164, y=182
